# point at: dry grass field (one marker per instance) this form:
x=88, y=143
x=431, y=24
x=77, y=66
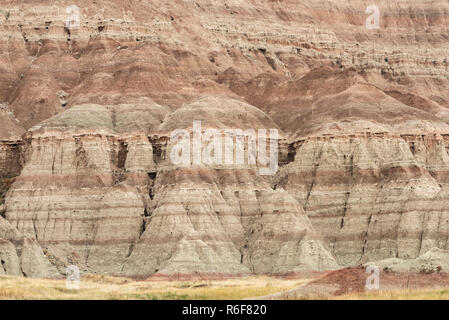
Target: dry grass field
x=104, y=287
x=412, y=294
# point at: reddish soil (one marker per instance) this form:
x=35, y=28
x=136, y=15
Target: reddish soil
x=354, y=280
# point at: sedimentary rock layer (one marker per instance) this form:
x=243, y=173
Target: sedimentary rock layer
x=87, y=113
x=94, y=196
x=373, y=196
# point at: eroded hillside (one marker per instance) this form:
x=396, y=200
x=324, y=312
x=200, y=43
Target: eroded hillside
x=87, y=113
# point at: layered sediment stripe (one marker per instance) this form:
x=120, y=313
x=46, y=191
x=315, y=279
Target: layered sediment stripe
x=221, y=227
x=373, y=198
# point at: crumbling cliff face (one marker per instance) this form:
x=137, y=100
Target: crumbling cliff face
x=110, y=200
x=373, y=197
x=87, y=114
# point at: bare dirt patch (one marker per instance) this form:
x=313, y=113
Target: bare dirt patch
x=349, y=281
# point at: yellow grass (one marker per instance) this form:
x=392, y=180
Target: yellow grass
x=104, y=287
x=411, y=294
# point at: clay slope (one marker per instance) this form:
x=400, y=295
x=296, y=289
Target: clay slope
x=21, y=255
x=86, y=116
x=94, y=194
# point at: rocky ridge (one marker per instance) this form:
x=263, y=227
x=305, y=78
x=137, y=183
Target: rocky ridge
x=88, y=112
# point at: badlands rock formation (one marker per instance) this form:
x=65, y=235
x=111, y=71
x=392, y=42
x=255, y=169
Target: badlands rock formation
x=87, y=113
